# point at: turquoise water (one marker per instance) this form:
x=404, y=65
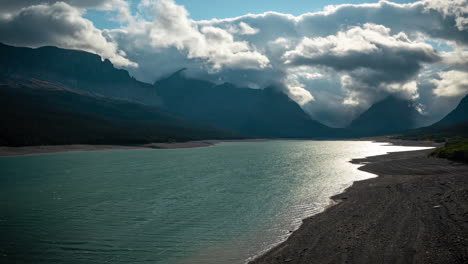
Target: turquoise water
x=221, y=204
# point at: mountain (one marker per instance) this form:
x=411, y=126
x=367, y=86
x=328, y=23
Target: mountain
x=77, y=70
x=458, y=115
x=389, y=116
x=36, y=112
x=452, y=126
x=253, y=112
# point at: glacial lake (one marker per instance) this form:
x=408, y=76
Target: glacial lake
x=221, y=204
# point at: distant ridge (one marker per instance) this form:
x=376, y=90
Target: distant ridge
x=75, y=69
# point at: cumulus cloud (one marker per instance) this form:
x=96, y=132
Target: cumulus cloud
x=168, y=40
x=435, y=18
x=122, y=7
x=370, y=59
x=451, y=84
x=371, y=46
x=456, y=58
x=18, y=4
x=458, y=9
x=172, y=27
x=243, y=29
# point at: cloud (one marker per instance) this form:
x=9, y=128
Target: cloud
x=456, y=58
x=11, y=8
x=172, y=28
x=371, y=61
x=164, y=39
x=60, y=25
x=434, y=18
x=244, y=29
x=457, y=9
x=371, y=46
x=15, y=5
x=451, y=84
x=296, y=89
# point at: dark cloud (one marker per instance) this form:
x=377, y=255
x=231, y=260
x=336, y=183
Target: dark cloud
x=370, y=59
x=437, y=19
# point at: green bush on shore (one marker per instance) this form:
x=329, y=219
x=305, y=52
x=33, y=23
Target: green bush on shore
x=455, y=149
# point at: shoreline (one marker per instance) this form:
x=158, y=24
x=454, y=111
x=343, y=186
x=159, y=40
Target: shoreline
x=414, y=211
x=6, y=151
x=47, y=149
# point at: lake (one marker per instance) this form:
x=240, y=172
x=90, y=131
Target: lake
x=220, y=204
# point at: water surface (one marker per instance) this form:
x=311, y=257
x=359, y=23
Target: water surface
x=221, y=204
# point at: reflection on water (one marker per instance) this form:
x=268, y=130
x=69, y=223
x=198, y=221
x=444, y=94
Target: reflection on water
x=220, y=204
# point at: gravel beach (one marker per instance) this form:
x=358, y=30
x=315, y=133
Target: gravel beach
x=416, y=211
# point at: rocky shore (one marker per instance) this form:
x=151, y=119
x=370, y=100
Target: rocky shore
x=416, y=211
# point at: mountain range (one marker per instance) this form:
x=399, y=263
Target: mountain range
x=36, y=112
x=254, y=112
x=56, y=96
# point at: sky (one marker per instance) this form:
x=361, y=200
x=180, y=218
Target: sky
x=209, y=9
x=334, y=58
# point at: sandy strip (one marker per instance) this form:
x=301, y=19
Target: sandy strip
x=34, y=150
x=416, y=211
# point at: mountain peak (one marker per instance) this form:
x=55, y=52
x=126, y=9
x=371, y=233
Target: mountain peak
x=390, y=115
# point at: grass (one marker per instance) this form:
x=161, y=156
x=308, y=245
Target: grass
x=455, y=137
x=455, y=149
